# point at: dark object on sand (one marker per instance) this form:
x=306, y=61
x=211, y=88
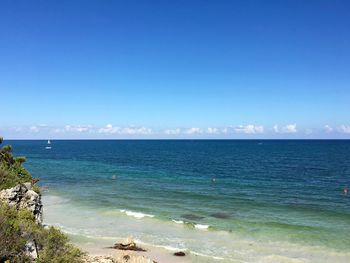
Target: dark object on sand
x=126, y=257
x=179, y=254
x=192, y=217
x=221, y=215
x=129, y=246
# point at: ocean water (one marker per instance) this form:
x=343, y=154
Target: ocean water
x=219, y=200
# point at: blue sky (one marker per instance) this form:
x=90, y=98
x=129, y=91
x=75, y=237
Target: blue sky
x=175, y=69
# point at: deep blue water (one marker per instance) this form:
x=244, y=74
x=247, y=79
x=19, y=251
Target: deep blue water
x=290, y=190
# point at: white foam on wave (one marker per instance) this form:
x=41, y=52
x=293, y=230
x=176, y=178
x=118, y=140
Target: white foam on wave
x=203, y=227
x=169, y=248
x=207, y=256
x=177, y=221
x=137, y=215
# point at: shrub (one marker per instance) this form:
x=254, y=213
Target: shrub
x=17, y=227
x=12, y=243
x=11, y=170
x=56, y=248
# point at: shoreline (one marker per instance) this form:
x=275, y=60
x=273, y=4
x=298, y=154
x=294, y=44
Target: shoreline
x=94, y=235
x=152, y=254
x=103, y=248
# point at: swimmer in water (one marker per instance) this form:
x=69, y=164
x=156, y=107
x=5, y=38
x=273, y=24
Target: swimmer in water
x=345, y=191
x=114, y=177
x=213, y=180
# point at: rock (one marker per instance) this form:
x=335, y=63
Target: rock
x=179, y=254
x=128, y=244
x=131, y=246
x=28, y=186
x=22, y=196
x=31, y=250
x=221, y=215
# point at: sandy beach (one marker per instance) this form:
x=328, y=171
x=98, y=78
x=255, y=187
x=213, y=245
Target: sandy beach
x=97, y=252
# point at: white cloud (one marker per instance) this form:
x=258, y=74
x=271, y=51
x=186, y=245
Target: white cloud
x=344, y=129
x=193, y=131
x=225, y=130
x=70, y=128
x=172, y=131
x=328, y=128
x=289, y=128
x=109, y=129
x=33, y=129
x=308, y=131
x=211, y=130
x=73, y=129
x=249, y=129
x=133, y=131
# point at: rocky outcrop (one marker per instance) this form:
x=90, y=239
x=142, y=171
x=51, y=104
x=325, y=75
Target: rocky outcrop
x=22, y=196
x=220, y=215
x=128, y=244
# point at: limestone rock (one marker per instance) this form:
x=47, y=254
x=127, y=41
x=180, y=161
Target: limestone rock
x=22, y=196
x=128, y=244
x=31, y=250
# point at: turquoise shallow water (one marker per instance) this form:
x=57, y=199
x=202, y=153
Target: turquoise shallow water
x=243, y=201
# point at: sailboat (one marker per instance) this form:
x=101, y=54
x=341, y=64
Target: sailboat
x=48, y=145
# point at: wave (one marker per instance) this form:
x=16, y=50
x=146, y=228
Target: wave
x=172, y=249
x=137, y=215
x=178, y=221
x=203, y=227
x=190, y=224
x=169, y=248
x=70, y=231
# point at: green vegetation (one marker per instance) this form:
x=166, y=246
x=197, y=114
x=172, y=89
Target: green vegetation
x=56, y=249
x=12, y=172
x=18, y=226
x=12, y=242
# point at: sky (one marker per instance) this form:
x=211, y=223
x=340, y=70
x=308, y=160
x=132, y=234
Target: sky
x=174, y=69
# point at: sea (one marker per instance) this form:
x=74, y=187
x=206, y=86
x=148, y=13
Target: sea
x=217, y=200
